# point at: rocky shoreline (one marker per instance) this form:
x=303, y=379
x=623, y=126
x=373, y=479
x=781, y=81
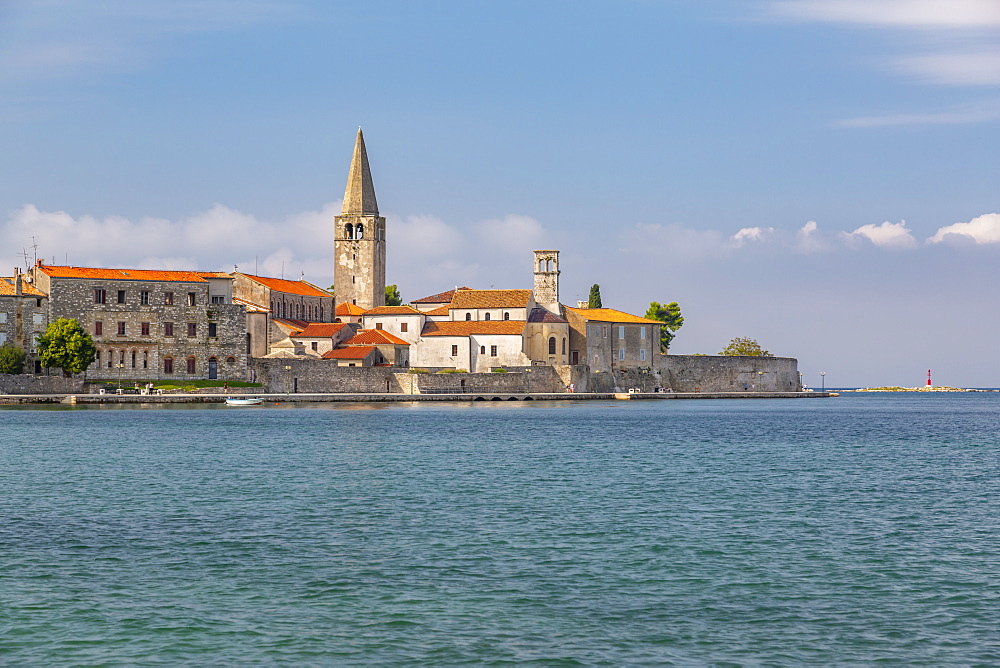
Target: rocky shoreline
x=926, y=388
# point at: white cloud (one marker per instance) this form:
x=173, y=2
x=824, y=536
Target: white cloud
x=897, y=13
x=982, y=230
x=513, y=234
x=979, y=113
x=979, y=67
x=751, y=234
x=886, y=235
x=808, y=239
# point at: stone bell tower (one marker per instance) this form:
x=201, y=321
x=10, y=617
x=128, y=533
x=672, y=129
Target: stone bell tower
x=359, y=238
x=547, y=279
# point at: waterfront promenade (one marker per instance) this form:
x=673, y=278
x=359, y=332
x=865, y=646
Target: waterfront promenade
x=216, y=398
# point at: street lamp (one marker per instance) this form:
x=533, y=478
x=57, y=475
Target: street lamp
x=120, y=366
x=288, y=381
x=760, y=381
x=822, y=375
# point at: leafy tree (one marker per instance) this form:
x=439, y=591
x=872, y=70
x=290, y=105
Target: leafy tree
x=744, y=346
x=670, y=316
x=392, y=297
x=595, y=296
x=11, y=359
x=65, y=345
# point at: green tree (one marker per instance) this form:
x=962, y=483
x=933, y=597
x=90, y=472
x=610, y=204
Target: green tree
x=670, y=316
x=595, y=296
x=392, y=297
x=65, y=345
x=11, y=359
x=744, y=346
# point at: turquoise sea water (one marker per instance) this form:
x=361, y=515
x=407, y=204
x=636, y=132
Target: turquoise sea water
x=852, y=530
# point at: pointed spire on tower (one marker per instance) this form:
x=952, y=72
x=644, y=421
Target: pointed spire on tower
x=359, y=198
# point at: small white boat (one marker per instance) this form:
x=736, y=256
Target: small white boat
x=244, y=401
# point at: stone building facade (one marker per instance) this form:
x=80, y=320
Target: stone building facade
x=23, y=316
x=607, y=339
x=150, y=325
x=276, y=299
x=359, y=238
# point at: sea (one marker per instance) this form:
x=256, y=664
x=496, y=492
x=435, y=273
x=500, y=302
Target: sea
x=852, y=530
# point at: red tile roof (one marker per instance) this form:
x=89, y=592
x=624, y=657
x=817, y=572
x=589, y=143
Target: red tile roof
x=320, y=330
x=612, y=315
x=440, y=310
x=368, y=337
x=439, y=298
x=347, y=308
x=392, y=310
x=27, y=289
x=491, y=299
x=543, y=315
x=355, y=353
x=127, y=274
x=468, y=327
x=302, y=288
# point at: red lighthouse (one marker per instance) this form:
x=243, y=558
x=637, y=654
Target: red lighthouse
x=928, y=378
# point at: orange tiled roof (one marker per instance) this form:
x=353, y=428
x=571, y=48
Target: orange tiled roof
x=491, y=299
x=27, y=289
x=347, y=308
x=355, y=353
x=439, y=298
x=320, y=330
x=368, y=337
x=125, y=274
x=612, y=315
x=289, y=287
x=392, y=310
x=440, y=310
x=469, y=327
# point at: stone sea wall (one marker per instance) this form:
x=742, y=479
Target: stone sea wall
x=27, y=384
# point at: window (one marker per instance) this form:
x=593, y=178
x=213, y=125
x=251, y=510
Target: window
x=97, y=357
x=144, y=328
x=100, y=296
x=168, y=298
x=359, y=231
x=315, y=345
x=487, y=316
x=121, y=296
x=213, y=329
x=348, y=231
x=482, y=350
x=621, y=354
x=506, y=315
x=403, y=327
x=552, y=345
x=98, y=328
x=378, y=325
x=168, y=364
x=642, y=354
x=621, y=332
x=192, y=329
x=133, y=359
x=468, y=316
x=642, y=332
x=192, y=298
x=144, y=297
x=145, y=359
x=121, y=328
x=190, y=365
x=38, y=303
x=218, y=299
x=168, y=329
x=454, y=351
x=230, y=361
x=564, y=346
x=605, y=328
x=493, y=351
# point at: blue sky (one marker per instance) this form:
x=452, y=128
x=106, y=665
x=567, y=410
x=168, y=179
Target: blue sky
x=821, y=175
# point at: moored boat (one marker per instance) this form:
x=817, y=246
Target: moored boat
x=244, y=401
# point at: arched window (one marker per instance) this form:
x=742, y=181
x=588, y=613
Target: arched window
x=541, y=265
x=168, y=364
x=487, y=316
x=359, y=231
x=564, y=346
x=506, y=315
x=552, y=345
x=349, y=231
x=145, y=359
x=133, y=359
x=468, y=316
x=337, y=320
x=190, y=365
x=249, y=342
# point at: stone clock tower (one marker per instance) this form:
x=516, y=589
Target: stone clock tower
x=359, y=238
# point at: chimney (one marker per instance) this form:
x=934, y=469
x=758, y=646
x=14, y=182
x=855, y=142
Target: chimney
x=17, y=283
